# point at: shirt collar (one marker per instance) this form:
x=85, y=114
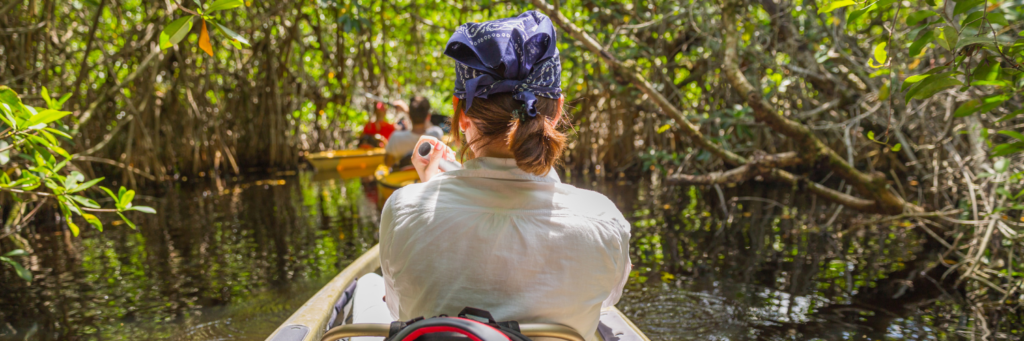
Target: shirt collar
x=498, y=168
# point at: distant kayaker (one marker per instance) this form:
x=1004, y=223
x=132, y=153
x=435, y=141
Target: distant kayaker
x=379, y=129
x=402, y=142
x=504, y=234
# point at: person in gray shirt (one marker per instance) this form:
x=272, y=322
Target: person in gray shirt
x=402, y=143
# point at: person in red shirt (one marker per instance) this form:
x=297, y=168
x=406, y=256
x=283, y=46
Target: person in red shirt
x=381, y=126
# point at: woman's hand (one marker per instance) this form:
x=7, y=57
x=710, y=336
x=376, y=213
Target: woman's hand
x=428, y=167
x=400, y=105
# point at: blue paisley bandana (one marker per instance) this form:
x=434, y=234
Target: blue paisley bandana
x=516, y=55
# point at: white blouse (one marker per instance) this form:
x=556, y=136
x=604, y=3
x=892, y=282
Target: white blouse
x=491, y=236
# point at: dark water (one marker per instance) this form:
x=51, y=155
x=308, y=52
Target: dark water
x=232, y=261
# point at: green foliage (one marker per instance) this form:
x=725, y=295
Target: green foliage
x=41, y=175
x=22, y=272
x=174, y=32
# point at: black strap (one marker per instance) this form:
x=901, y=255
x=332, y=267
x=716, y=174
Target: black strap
x=396, y=327
x=478, y=313
x=513, y=325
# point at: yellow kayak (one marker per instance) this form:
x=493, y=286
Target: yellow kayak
x=389, y=182
x=344, y=160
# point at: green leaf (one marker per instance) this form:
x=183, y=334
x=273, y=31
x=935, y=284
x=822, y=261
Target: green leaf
x=224, y=4
x=235, y=37
x=880, y=56
x=126, y=197
x=9, y=97
x=175, y=31
x=871, y=135
x=1011, y=115
x=930, y=87
x=951, y=36
x=916, y=16
x=72, y=226
x=664, y=128
x=986, y=41
x=967, y=108
x=973, y=19
x=854, y=15
x=60, y=102
x=92, y=220
x=46, y=97
x=143, y=209
x=85, y=185
x=963, y=6
x=58, y=132
x=16, y=253
x=922, y=40
x=897, y=147
x=85, y=201
x=997, y=18
x=45, y=116
x=126, y=221
x=1012, y=134
x=836, y=5
x=1007, y=149
x=1001, y=166
x=20, y=270
x=111, y=193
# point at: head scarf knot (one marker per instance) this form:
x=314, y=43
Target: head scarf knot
x=516, y=55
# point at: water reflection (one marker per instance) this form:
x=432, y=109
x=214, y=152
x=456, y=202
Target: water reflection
x=232, y=262
x=228, y=263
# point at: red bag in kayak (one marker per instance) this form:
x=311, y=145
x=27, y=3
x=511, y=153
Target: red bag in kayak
x=461, y=328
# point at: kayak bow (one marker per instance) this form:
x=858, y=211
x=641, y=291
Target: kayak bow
x=310, y=322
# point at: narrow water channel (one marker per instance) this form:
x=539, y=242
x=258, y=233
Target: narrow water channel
x=232, y=261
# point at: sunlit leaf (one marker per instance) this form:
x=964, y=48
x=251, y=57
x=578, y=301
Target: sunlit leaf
x=143, y=209
x=836, y=5
x=85, y=201
x=16, y=253
x=126, y=198
x=46, y=97
x=60, y=102
x=897, y=147
x=879, y=56
x=175, y=31
x=111, y=193
x=204, y=40
x=223, y=4
x=20, y=270
x=916, y=16
x=126, y=221
x=871, y=135
x=58, y=132
x=94, y=221
x=85, y=185
x=235, y=37
x=73, y=227
x=44, y=117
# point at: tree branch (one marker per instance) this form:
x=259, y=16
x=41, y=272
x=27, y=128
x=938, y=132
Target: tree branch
x=628, y=71
x=759, y=164
x=873, y=185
